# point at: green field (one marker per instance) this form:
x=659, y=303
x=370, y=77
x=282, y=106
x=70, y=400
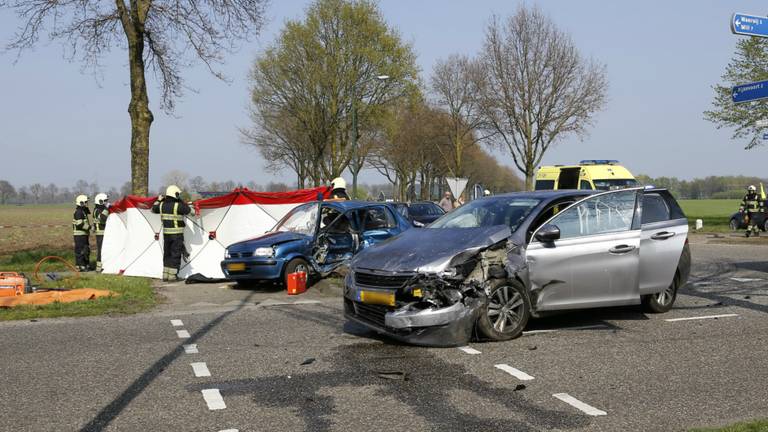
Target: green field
x=749, y=426
x=715, y=213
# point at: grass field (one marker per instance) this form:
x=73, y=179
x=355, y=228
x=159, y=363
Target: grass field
x=749, y=426
x=715, y=213
x=19, y=239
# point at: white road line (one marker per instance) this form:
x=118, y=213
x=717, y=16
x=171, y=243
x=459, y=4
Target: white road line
x=177, y=323
x=200, y=369
x=213, y=399
x=701, y=317
x=586, y=327
x=229, y=430
x=469, y=350
x=739, y=279
x=182, y=334
x=191, y=349
x=522, y=376
x=581, y=406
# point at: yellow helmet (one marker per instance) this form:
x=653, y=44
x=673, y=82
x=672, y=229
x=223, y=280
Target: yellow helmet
x=173, y=191
x=81, y=200
x=339, y=183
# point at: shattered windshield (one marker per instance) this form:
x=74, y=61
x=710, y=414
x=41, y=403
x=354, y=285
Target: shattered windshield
x=509, y=211
x=302, y=220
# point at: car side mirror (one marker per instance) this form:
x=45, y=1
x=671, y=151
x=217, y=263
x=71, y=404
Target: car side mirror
x=548, y=233
x=418, y=224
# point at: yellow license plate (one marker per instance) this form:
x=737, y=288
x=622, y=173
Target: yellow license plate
x=377, y=297
x=236, y=267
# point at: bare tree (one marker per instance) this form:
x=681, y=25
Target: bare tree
x=7, y=191
x=176, y=177
x=457, y=83
x=539, y=88
x=36, y=190
x=161, y=36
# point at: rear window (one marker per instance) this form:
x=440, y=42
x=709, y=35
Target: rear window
x=424, y=209
x=545, y=184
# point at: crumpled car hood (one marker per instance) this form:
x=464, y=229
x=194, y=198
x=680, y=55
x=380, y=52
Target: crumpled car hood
x=427, y=250
x=267, y=240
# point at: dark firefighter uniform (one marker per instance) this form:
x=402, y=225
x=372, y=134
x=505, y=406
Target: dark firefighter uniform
x=172, y=211
x=100, y=215
x=750, y=205
x=81, y=228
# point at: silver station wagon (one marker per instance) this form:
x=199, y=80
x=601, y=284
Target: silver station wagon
x=487, y=267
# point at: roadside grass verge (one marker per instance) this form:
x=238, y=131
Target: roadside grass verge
x=714, y=213
x=747, y=426
x=134, y=294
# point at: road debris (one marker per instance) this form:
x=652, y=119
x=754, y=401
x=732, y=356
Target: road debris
x=307, y=361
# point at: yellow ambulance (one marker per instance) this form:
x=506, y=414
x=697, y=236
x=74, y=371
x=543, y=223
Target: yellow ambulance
x=595, y=174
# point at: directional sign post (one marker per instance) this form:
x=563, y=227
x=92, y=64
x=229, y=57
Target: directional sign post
x=750, y=92
x=749, y=25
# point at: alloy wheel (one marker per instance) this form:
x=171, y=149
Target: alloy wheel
x=665, y=297
x=505, y=309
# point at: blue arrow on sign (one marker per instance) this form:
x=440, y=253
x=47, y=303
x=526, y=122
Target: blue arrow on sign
x=749, y=25
x=750, y=92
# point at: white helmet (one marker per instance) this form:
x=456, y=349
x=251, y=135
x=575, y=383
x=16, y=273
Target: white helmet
x=752, y=188
x=486, y=193
x=81, y=200
x=101, y=198
x=339, y=183
x=173, y=191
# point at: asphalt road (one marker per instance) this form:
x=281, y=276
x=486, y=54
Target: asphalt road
x=292, y=364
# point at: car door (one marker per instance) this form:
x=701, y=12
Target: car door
x=664, y=231
x=377, y=224
x=595, y=262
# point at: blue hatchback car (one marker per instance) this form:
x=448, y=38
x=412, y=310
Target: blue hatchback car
x=315, y=237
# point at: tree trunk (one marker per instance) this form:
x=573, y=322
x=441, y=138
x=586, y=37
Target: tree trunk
x=141, y=119
x=529, y=179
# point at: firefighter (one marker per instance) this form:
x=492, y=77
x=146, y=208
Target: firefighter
x=339, y=189
x=750, y=206
x=81, y=228
x=172, y=210
x=100, y=214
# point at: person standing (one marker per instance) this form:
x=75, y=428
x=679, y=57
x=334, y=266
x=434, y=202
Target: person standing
x=172, y=210
x=100, y=215
x=339, y=189
x=750, y=205
x=447, y=202
x=81, y=229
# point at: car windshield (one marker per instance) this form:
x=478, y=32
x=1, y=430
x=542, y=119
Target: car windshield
x=611, y=184
x=302, y=220
x=425, y=209
x=510, y=211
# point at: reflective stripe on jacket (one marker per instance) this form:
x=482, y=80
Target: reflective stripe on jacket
x=172, y=213
x=100, y=215
x=81, y=225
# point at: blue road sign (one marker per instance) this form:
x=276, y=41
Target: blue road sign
x=750, y=92
x=749, y=25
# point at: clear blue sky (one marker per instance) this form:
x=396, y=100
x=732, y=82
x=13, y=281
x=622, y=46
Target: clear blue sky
x=60, y=123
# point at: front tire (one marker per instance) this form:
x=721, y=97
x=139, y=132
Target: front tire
x=506, y=312
x=663, y=301
x=295, y=265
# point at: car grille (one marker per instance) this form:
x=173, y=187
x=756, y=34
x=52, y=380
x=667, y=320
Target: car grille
x=240, y=254
x=371, y=313
x=381, y=281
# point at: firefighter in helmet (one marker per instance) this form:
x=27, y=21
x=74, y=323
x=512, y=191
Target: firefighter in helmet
x=339, y=189
x=750, y=206
x=172, y=210
x=81, y=229
x=100, y=215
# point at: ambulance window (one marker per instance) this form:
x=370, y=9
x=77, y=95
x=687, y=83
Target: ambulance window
x=545, y=184
x=585, y=185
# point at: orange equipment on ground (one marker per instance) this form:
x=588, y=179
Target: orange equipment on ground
x=12, y=284
x=297, y=283
x=47, y=297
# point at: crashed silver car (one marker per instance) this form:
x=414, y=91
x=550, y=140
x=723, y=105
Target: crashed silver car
x=485, y=268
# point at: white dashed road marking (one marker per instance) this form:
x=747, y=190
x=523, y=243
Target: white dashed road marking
x=182, y=334
x=701, y=317
x=177, y=323
x=586, y=409
x=738, y=279
x=586, y=327
x=469, y=350
x=191, y=349
x=229, y=430
x=522, y=376
x=200, y=369
x=213, y=399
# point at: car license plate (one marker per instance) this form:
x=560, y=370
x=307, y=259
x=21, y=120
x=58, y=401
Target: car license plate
x=236, y=267
x=377, y=297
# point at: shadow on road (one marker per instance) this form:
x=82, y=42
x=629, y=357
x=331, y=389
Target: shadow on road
x=111, y=411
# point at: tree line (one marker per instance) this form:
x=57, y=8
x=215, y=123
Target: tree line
x=712, y=187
